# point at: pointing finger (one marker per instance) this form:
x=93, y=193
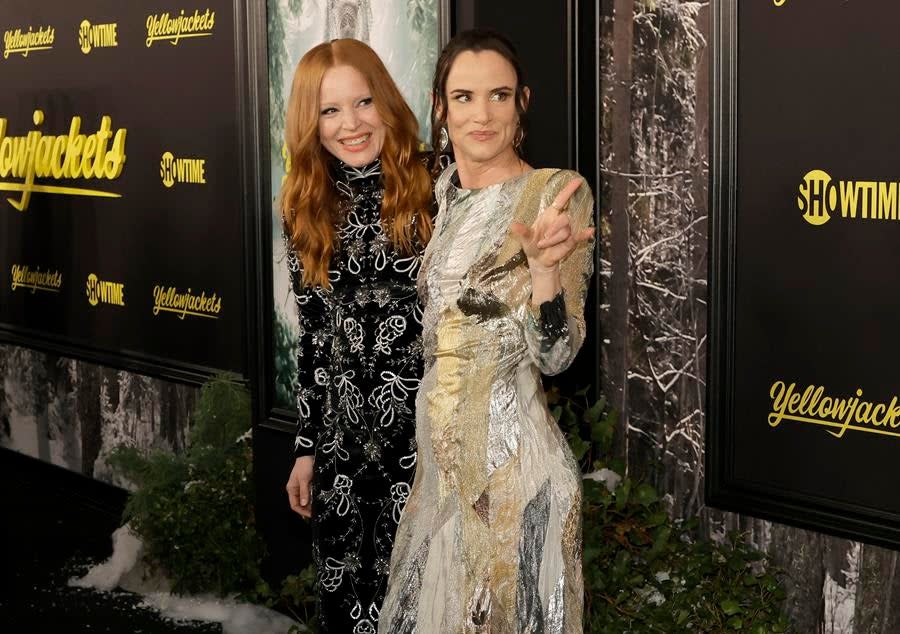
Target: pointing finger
x=562, y=198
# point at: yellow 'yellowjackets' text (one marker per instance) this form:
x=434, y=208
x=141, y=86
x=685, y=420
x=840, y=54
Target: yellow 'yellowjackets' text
x=812, y=405
x=187, y=303
x=66, y=156
x=17, y=42
x=166, y=27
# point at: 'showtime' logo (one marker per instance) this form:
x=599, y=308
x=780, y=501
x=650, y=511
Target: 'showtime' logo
x=91, y=36
x=70, y=156
x=37, y=280
x=98, y=291
x=161, y=27
x=820, y=197
x=182, y=170
x=185, y=304
x=18, y=42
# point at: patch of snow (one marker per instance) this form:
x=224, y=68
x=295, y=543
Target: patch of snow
x=125, y=570
x=127, y=550
x=236, y=618
x=607, y=476
x=840, y=600
x=651, y=595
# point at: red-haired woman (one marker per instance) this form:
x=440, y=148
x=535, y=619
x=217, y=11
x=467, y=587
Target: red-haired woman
x=357, y=213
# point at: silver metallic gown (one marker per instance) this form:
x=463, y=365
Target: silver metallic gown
x=490, y=539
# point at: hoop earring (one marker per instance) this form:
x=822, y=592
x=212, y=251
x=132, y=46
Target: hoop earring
x=444, y=139
x=520, y=136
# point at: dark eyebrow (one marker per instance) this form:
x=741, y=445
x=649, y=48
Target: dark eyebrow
x=461, y=91
x=502, y=88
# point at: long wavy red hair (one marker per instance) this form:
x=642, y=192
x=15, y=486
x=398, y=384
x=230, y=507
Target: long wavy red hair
x=309, y=201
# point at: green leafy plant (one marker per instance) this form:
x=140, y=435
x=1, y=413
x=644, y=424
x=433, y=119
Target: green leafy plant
x=297, y=597
x=645, y=572
x=195, y=512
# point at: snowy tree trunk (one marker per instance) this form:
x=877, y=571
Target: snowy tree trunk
x=802, y=555
x=41, y=400
x=619, y=282
x=877, y=598
x=696, y=307
x=111, y=387
x=87, y=409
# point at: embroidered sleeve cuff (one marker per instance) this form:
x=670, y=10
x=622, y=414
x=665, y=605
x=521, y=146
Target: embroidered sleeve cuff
x=303, y=446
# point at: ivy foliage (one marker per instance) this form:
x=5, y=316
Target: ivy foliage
x=644, y=571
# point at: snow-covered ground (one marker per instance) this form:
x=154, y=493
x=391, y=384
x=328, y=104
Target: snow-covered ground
x=124, y=570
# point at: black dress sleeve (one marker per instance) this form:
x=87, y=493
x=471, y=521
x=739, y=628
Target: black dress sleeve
x=313, y=352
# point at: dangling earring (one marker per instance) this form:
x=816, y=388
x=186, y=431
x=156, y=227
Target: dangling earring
x=520, y=136
x=444, y=139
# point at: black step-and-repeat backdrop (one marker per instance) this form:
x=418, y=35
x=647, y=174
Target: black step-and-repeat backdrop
x=804, y=416
x=122, y=195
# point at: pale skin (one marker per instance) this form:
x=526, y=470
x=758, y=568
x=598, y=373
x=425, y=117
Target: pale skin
x=482, y=123
x=351, y=129
x=299, y=485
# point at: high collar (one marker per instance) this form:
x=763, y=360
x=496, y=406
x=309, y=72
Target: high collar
x=357, y=176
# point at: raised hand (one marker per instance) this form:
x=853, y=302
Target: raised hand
x=550, y=240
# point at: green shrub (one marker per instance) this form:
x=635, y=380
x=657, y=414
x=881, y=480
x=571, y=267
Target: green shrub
x=194, y=512
x=645, y=573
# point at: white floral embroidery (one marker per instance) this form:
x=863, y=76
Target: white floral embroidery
x=408, y=462
x=399, y=495
x=387, y=333
x=331, y=576
x=354, y=334
x=392, y=395
x=342, y=486
x=359, y=345
x=364, y=627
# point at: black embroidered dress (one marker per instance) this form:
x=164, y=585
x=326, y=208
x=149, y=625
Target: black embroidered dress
x=359, y=364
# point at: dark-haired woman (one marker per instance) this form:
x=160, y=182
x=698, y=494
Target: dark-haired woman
x=490, y=539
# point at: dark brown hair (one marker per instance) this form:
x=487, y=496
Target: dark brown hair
x=475, y=40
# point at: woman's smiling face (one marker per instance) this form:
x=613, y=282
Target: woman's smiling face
x=350, y=127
